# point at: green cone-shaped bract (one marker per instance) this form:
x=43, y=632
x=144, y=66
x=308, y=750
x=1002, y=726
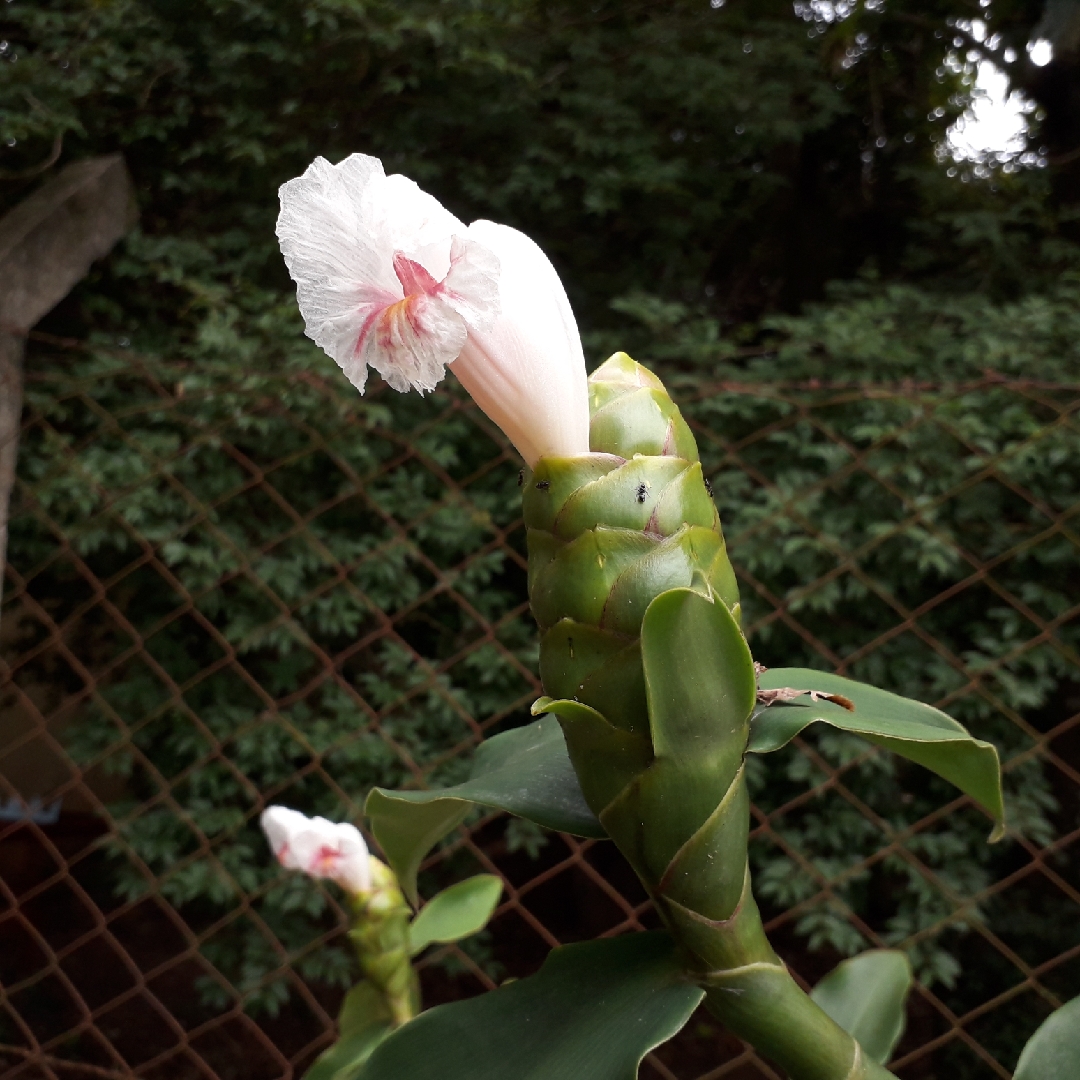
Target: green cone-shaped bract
x=653, y=683
x=380, y=934
x=608, y=532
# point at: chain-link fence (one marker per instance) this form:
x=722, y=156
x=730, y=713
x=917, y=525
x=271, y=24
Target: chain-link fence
x=226, y=589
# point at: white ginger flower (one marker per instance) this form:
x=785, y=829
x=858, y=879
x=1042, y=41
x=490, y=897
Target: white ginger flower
x=387, y=278
x=321, y=848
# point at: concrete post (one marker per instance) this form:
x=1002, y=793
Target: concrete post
x=47, y=244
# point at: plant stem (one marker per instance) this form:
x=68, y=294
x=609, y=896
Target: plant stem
x=653, y=683
x=381, y=937
x=750, y=990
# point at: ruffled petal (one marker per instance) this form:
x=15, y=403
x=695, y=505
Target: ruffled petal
x=400, y=216
x=322, y=229
x=388, y=278
x=369, y=254
x=410, y=343
x=471, y=285
x=336, y=260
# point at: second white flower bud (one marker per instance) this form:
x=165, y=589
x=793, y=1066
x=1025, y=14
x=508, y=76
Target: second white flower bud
x=321, y=848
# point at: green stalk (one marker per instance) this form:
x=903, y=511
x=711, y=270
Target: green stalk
x=380, y=935
x=660, y=757
x=749, y=989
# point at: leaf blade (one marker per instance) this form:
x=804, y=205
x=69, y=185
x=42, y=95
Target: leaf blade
x=363, y=1007
x=408, y=827
x=346, y=1058
x=699, y=677
x=526, y=771
x=911, y=729
x=593, y=1010
x=866, y=996
x=1053, y=1051
x=456, y=912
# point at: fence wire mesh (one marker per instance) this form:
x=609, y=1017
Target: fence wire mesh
x=225, y=590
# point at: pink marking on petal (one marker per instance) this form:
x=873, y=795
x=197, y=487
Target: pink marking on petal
x=409, y=339
x=376, y=301
x=387, y=323
x=388, y=317
x=413, y=277
x=325, y=860
x=365, y=328
x=387, y=309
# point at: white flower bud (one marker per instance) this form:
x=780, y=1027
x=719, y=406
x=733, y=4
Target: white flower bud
x=321, y=848
x=387, y=278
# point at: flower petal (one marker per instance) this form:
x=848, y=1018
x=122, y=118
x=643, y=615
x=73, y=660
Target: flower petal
x=339, y=267
x=354, y=868
x=349, y=234
x=400, y=216
x=280, y=824
x=322, y=228
x=314, y=849
x=410, y=342
x=321, y=848
x=471, y=285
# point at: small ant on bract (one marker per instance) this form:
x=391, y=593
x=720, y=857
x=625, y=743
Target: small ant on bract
x=642, y=491
x=543, y=485
x=708, y=486
x=521, y=477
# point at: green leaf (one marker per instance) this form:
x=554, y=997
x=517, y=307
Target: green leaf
x=456, y=912
x=408, y=827
x=909, y=728
x=363, y=1007
x=363, y=1023
x=865, y=996
x=700, y=684
x=699, y=677
x=525, y=771
x=346, y=1058
x=1053, y=1052
x=606, y=756
x=593, y=1010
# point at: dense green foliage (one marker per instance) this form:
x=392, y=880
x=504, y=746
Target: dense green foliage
x=279, y=576
x=851, y=544
x=698, y=174
x=737, y=156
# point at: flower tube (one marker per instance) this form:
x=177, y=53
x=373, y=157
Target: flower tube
x=387, y=278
